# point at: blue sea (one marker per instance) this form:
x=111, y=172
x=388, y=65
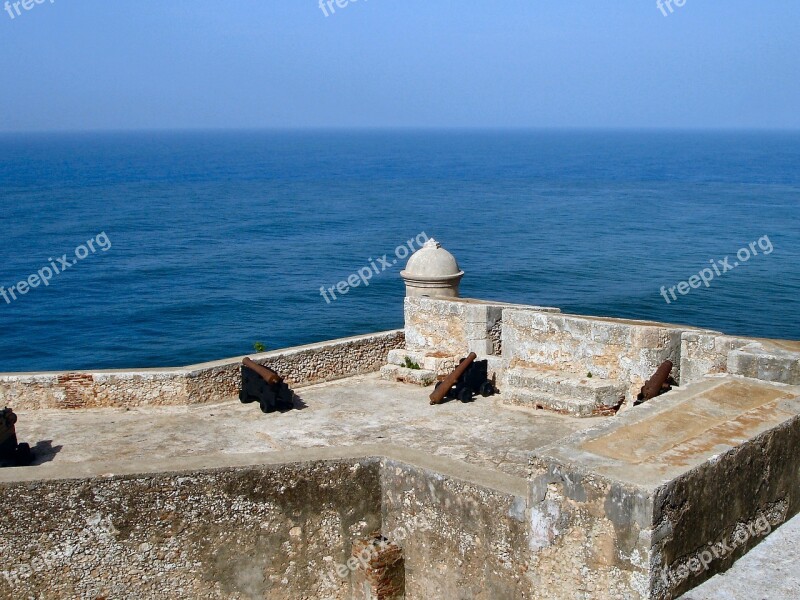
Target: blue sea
x=216, y=241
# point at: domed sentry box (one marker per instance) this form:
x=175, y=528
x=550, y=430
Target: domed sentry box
x=432, y=271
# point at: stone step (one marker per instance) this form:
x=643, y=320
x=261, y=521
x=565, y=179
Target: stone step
x=440, y=364
x=422, y=377
x=562, y=391
x=543, y=400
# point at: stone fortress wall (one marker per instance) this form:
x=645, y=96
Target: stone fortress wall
x=207, y=382
x=539, y=356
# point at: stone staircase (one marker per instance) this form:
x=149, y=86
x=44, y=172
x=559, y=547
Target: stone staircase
x=562, y=391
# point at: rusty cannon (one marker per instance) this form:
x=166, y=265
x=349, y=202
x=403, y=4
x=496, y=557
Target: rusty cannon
x=12, y=453
x=660, y=383
x=470, y=377
x=263, y=385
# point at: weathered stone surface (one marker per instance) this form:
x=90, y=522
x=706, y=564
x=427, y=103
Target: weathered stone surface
x=422, y=377
x=207, y=382
x=767, y=361
x=706, y=353
x=614, y=349
x=646, y=498
x=710, y=353
x=345, y=413
x=272, y=532
x=438, y=362
x=460, y=539
x=455, y=326
x=561, y=391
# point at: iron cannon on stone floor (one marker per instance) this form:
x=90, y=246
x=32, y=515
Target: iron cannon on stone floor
x=12, y=453
x=660, y=383
x=470, y=377
x=263, y=385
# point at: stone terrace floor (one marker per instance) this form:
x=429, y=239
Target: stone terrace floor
x=351, y=412
x=357, y=412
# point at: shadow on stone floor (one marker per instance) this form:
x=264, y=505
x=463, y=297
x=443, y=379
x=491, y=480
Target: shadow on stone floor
x=44, y=452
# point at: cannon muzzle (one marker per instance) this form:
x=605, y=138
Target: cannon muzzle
x=444, y=387
x=267, y=374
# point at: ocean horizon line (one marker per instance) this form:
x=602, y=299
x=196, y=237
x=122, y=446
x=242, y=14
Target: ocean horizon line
x=401, y=129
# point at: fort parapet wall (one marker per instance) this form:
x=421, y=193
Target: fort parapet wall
x=540, y=356
x=206, y=382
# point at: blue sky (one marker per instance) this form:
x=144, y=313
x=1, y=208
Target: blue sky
x=174, y=64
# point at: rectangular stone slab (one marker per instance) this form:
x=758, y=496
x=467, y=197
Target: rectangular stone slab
x=720, y=415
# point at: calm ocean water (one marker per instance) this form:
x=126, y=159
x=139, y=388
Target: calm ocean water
x=221, y=240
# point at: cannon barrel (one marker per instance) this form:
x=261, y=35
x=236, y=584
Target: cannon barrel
x=267, y=374
x=444, y=387
x=656, y=383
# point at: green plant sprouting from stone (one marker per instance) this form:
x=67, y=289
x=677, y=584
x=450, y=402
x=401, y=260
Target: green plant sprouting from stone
x=410, y=364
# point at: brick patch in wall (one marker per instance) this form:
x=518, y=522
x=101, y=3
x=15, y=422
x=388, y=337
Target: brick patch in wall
x=381, y=570
x=78, y=389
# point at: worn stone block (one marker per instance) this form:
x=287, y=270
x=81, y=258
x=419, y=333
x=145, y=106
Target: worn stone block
x=706, y=353
x=766, y=360
x=561, y=391
x=421, y=377
x=454, y=325
x=619, y=350
x=654, y=502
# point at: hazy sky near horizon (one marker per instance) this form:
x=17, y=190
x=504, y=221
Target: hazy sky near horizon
x=174, y=64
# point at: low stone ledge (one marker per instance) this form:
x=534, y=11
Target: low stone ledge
x=765, y=361
x=421, y=377
x=206, y=382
